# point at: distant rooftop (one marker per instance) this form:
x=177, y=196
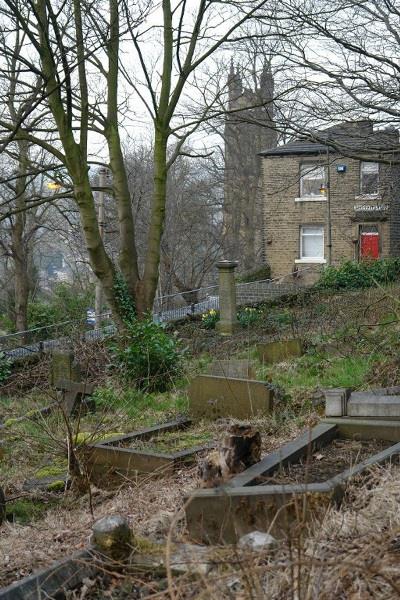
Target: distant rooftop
x=346, y=138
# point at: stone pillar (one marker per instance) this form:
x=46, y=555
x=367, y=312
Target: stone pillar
x=227, y=297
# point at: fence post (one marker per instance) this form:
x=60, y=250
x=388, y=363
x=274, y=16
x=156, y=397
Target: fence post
x=228, y=322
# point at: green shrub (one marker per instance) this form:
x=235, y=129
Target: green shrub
x=210, y=318
x=5, y=367
x=363, y=274
x=148, y=356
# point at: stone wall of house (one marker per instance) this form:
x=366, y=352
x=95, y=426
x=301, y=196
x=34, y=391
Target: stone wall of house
x=283, y=215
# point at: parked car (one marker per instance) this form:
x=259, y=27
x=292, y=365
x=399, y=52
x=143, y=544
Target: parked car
x=90, y=316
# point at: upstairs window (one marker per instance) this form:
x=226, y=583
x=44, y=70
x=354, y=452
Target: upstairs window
x=312, y=180
x=369, y=178
x=311, y=242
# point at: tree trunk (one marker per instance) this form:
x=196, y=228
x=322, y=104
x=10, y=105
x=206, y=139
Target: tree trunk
x=148, y=286
x=18, y=248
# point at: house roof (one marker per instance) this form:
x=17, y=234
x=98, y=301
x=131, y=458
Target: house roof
x=345, y=139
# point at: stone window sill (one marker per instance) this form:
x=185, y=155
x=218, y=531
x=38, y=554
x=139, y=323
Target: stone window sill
x=310, y=261
x=368, y=197
x=311, y=199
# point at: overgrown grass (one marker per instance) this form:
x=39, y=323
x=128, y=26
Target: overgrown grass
x=320, y=371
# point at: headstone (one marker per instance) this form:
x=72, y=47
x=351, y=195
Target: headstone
x=215, y=397
x=257, y=541
x=73, y=393
x=113, y=537
x=336, y=401
x=228, y=322
x=275, y=352
x=64, y=366
x=369, y=404
x=237, y=369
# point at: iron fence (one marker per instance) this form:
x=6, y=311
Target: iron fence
x=167, y=308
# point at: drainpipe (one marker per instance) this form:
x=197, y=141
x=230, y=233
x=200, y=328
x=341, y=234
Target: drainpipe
x=328, y=198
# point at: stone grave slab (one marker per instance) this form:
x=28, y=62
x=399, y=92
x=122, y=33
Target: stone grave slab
x=275, y=352
x=233, y=368
x=214, y=397
x=64, y=366
x=246, y=503
x=73, y=393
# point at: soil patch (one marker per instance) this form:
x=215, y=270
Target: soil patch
x=327, y=462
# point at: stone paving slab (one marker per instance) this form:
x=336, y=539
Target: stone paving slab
x=214, y=397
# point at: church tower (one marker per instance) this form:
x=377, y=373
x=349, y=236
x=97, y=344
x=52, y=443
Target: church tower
x=248, y=130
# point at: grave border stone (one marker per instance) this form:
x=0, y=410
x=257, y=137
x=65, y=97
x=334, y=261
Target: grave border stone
x=222, y=515
x=106, y=456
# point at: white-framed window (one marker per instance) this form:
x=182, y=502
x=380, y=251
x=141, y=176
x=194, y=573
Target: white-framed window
x=369, y=178
x=312, y=180
x=312, y=242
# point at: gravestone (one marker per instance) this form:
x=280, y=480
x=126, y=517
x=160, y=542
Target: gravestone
x=64, y=366
x=369, y=404
x=214, y=397
x=275, y=352
x=73, y=393
x=336, y=401
x=234, y=368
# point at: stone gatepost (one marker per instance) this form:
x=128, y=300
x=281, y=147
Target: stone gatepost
x=227, y=297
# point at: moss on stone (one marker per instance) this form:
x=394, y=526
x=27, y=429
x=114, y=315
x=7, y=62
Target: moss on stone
x=56, y=486
x=92, y=437
x=146, y=546
x=51, y=471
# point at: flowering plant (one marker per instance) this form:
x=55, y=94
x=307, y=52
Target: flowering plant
x=210, y=318
x=248, y=316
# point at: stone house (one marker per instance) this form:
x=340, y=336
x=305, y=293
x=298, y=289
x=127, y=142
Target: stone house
x=331, y=199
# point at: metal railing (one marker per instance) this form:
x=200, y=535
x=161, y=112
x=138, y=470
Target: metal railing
x=172, y=307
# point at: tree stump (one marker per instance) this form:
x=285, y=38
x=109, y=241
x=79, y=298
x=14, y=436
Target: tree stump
x=241, y=448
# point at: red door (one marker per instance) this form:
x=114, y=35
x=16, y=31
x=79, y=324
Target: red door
x=369, y=247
